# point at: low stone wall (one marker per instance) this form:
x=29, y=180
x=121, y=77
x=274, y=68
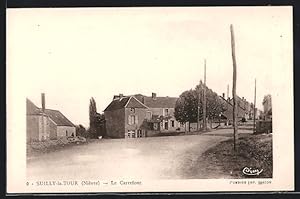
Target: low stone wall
x=263, y=127
x=38, y=147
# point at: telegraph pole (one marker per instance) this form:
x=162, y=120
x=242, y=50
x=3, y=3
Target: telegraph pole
x=227, y=91
x=204, y=98
x=235, y=127
x=254, y=112
x=198, y=106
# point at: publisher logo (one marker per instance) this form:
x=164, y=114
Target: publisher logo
x=251, y=172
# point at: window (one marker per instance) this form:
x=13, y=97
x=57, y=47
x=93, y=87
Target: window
x=172, y=123
x=132, y=110
x=166, y=112
x=148, y=115
x=132, y=119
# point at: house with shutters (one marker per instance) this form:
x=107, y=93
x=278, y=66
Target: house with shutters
x=138, y=116
x=44, y=124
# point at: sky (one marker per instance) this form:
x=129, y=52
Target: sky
x=73, y=54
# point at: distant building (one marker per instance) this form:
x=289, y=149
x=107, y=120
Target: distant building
x=244, y=109
x=141, y=116
x=44, y=124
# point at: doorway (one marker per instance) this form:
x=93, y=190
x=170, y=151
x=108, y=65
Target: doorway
x=166, y=125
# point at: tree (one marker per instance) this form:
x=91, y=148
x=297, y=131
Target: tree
x=92, y=116
x=81, y=131
x=100, y=124
x=267, y=104
x=187, y=105
x=214, y=104
x=97, y=121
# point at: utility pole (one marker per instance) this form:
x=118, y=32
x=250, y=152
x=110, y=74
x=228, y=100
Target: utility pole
x=227, y=91
x=254, y=112
x=204, y=98
x=235, y=127
x=198, y=106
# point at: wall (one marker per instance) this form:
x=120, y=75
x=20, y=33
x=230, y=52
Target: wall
x=32, y=127
x=160, y=111
x=63, y=131
x=115, y=123
x=40, y=128
x=156, y=111
x=52, y=129
x=140, y=113
x=264, y=127
x=229, y=113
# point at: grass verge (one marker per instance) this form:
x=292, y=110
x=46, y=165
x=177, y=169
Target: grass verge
x=253, y=151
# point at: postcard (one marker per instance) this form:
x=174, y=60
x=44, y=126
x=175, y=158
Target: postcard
x=150, y=99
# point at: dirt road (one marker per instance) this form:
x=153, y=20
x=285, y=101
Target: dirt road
x=171, y=157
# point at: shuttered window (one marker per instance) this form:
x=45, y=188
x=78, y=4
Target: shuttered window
x=133, y=119
x=129, y=119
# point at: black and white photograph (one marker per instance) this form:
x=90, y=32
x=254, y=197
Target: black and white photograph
x=150, y=99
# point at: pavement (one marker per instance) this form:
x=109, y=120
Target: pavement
x=169, y=157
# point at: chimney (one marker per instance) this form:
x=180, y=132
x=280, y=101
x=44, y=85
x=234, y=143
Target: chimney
x=121, y=95
x=116, y=97
x=223, y=95
x=43, y=102
x=154, y=96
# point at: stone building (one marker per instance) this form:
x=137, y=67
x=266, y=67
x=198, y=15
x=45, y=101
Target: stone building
x=44, y=124
x=141, y=116
x=242, y=111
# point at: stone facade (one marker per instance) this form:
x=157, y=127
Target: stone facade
x=65, y=131
x=115, y=123
x=140, y=116
x=46, y=124
x=134, y=121
x=32, y=128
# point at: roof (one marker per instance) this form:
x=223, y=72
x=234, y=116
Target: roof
x=117, y=104
x=229, y=102
x=58, y=118
x=135, y=103
x=127, y=101
x=228, y=113
x=160, y=102
x=141, y=101
x=31, y=108
x=55, y=115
